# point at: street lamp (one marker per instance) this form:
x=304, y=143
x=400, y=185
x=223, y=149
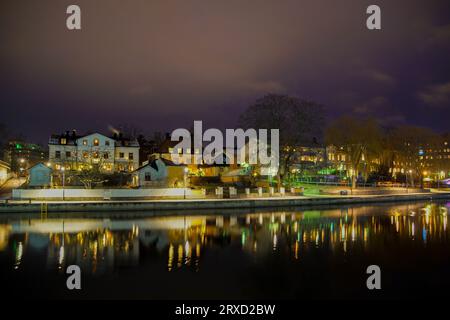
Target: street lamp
x=63, y=180
x=21, y=166
x=412, y=182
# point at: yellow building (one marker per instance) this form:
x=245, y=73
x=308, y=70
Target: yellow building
x=4, y=172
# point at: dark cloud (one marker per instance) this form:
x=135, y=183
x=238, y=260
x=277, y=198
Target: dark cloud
x=436, y=95
x=158, y=65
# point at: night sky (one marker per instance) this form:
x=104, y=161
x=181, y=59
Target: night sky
x=159, y=65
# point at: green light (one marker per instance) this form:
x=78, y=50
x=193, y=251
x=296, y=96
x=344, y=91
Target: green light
x=327, y=171
x=18, y=146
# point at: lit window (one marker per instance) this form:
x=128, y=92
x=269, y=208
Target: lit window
x=84, y=142
x=85, y=155
x=170, y=150
x=188, y=150
x=96, y=142
x=63, y=141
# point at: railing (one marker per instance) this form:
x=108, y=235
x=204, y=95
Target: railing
x=359, y=184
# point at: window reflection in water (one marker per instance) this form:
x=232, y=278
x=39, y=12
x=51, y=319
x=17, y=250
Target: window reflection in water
x=101, y=246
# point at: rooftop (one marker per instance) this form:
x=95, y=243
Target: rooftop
x=71, y=138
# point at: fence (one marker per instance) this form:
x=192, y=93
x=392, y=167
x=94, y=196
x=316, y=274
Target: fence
x=146, y=193
x=103, y=194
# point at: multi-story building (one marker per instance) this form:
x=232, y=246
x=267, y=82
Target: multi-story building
x=435, y=161
x=431, y=160
x=78, y=152
x=166, y=151
x=337, y=158
x=22, y=155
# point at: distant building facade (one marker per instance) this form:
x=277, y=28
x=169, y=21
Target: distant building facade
x=22, y=155
x=78, y=152
x=429, y=160
x=308, y=157
x=337, y=158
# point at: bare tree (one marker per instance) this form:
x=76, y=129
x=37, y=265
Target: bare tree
x=299, y=122
x=90, y=172
x=359, y=138
x=91, y=176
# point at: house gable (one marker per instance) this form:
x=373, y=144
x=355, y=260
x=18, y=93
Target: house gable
x=95, y=140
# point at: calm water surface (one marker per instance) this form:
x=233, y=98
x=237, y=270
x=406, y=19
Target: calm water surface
x=278, y=254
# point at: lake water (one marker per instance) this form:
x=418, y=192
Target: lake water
x=276, y=254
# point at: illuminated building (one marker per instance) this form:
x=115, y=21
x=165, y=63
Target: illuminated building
x=78, y=152
x=22, y=155
x=428, y=161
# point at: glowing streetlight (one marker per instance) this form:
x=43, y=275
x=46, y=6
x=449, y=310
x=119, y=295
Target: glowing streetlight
x=410, y=172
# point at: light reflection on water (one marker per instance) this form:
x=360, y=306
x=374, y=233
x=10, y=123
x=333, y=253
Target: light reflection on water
x=105, y=245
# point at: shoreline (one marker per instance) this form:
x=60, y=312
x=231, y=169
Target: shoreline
x=194, y=204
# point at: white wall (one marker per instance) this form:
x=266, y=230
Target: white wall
x=90, y=148
x=62, y=149
x=125, y=161
x=76, y=194
x=155, y=175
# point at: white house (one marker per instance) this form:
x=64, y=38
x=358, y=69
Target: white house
x=111, y=154
x=40, y=175
x=160, y=172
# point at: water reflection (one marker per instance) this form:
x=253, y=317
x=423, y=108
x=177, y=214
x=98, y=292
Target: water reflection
x=101, y=246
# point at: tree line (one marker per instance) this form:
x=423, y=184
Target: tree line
x=363, y=140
